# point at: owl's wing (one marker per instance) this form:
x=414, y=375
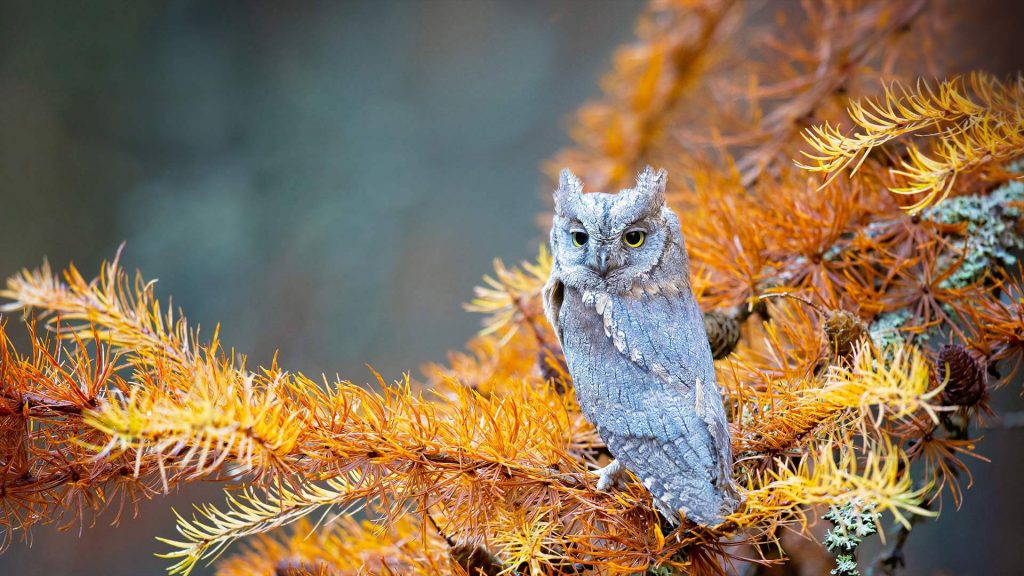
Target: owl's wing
x=662, y=332
x=553, y=294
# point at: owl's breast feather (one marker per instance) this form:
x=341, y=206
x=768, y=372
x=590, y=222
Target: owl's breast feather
x=644, y=375
x=616, y=359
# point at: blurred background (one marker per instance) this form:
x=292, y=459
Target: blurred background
x=327, y=180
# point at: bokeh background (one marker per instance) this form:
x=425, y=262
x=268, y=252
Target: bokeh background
x=327, y=180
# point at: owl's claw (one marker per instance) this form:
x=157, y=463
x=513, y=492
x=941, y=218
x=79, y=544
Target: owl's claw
x=614, y=474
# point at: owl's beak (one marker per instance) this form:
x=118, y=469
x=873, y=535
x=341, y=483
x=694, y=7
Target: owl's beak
x=602, y=261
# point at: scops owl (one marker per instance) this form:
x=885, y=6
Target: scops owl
x=620, y=301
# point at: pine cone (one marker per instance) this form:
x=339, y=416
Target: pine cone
x=475, y=559
x=723, y=333
x=964, y=376
x=843, y=330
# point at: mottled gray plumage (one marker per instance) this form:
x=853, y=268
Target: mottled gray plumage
x=636, y=347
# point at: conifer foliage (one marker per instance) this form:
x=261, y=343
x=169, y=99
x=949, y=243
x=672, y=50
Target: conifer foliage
x=851, y=225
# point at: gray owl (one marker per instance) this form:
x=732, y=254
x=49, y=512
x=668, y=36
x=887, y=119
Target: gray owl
x=620, y=301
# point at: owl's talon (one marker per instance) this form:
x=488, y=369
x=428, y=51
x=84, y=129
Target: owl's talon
x=614, y=474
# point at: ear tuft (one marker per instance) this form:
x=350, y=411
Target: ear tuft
x=569, y=188
x=651, y=182
x=568, y=182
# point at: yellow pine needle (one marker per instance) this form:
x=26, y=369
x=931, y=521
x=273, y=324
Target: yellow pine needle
x=123, y=310
x=126, y=395
x=224, y=416
x=835, y=473
x=991, y=139
x=504, y=296
x=898, y=112
x=895, y=381
x=343, y=546
x=526, y=540
x=889, y=384
x=973, y=123
x=212, y=530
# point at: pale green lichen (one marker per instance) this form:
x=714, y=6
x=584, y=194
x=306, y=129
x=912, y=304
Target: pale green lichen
x=749, y=413
x=990, y=234
x=885, y=330
x=851, y=523
x=989, y=239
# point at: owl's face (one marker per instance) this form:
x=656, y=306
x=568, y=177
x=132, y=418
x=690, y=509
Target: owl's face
x=612, y=241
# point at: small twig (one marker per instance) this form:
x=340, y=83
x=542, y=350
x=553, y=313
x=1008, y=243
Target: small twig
x=891, y=558
x=817, y=308
x=35, y=404
x=474, y=558
x=441, y=533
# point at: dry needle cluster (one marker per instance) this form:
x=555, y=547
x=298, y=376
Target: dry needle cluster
x=852, y=225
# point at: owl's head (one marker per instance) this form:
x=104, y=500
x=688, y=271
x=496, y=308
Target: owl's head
x=612, y=242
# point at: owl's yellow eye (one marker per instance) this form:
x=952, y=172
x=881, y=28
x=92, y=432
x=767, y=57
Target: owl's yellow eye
x=579, y=238
x=634, y=238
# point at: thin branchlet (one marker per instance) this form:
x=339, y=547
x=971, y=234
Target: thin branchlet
x=116, y=398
